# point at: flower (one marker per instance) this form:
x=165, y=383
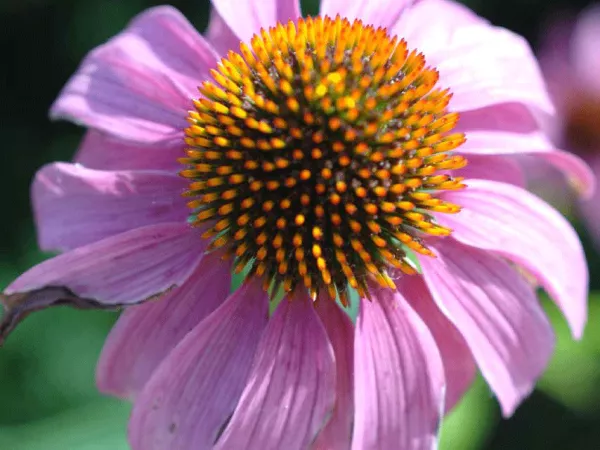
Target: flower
x=570, y=64
x=322, y=153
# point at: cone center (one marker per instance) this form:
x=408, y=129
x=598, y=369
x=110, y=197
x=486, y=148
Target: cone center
x=316, y=155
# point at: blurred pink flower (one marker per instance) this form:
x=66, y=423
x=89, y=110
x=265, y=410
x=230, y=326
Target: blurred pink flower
x=206, y=369
x=571, y=64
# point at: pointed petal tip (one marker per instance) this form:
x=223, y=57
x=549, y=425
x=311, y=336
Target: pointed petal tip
x=577, y=172
x=501, y=320
x=548, y=247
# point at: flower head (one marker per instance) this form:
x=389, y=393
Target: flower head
x=321, y=155
x=317, y=154
x=570, y=64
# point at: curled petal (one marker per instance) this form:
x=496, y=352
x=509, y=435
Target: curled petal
x=399, y=376
x=590, y=208
x=524, y=229
x=126, y=269
x=577, y=172
x=291, y=388
x=145, y=334
x=497, y=313
x=194, y=391
x=512, y=131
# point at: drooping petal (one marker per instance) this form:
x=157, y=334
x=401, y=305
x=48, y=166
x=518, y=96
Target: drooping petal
x=192, y=393
x=511, y=130
x=145, y=334
x=220, y=36
x=514, y=119
x=379, y=13
x=498, y=314
x=590, y=208
x=126, y=269
x=477, y=61
x=75, y=206
x=495, y=168
x=247, y=17
x=459, y=365
x=138, y=86
x=337, y=433
x=104, y=152
x=524, y=229
x=398, y=376
x=576, y=172
x=291, y=388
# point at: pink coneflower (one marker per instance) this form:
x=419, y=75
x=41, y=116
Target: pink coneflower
x=323, y=155
x=571, y=64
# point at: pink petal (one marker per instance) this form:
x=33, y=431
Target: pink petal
x=379, y=13
x=482, y=70
x=590, y=208
x=220, y=36
x=547, y=182
x=337, y=433
x=459, y=365
x=429, y=24
x=104, y=152
x=126, y=269
x=399, y=377
x=524, y=229
x=75, y=206
x=512, y=118
x=495, y=168
x=193, y=392
x=477, y=61
x=146, y=334
x=497, y=312
x=576, y=172
x=586, y=59
x=138, y=86
x=511, y=130
x=291, y=388
x=247, y=17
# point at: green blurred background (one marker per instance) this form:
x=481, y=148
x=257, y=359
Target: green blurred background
x=47, y=395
